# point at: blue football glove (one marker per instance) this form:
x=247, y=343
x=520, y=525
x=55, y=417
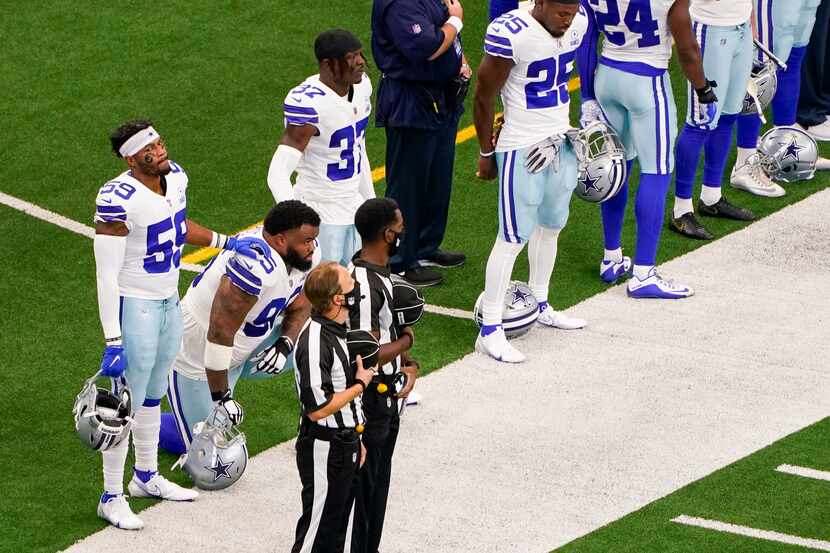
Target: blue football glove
x=114, y=361
x=707, y=107
x=249, y=246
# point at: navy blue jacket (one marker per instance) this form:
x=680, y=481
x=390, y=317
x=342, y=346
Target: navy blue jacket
x=413, y=91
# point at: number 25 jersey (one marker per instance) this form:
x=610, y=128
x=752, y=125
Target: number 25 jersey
x=157, y=228
x=535, y=95
x=329, y=173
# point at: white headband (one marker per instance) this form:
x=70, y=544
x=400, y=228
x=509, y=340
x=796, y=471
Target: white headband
x=138, y=141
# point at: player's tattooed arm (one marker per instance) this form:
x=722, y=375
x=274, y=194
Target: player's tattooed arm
x=688, y=50
x=230, y=305
x=295, y=317
x=492, y=74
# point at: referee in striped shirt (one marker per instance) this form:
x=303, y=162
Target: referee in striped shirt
x=380, y=225
x=329, y=451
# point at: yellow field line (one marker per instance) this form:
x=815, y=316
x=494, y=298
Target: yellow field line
x=378, y=173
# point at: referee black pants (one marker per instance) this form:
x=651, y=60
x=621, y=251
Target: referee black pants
x=372, y=482
x=327, y=472
x=419, y=168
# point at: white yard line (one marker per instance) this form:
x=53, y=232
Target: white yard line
x=448, y=311
x=768, y=535
x=805, y=472
x=598, y=423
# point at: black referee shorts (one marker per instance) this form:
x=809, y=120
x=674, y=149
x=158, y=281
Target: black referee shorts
x=327, y=465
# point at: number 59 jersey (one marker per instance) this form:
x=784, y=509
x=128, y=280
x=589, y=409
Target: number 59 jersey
x=535, y=95
x=329, y=173
x=635, y=30
x=267, y=278
x=157, y=228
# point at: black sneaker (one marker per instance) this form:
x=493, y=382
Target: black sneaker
x=444, y=259
x=726, y=210
x=422, y=277
x=688, y=225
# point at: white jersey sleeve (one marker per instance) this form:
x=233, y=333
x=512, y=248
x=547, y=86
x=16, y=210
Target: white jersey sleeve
x=535, y=96
x=721, y=13
x=157, y=228
x=330, y=170
x=636, y=31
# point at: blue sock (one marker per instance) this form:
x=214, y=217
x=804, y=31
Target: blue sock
x=717, y=149
x=749, y=127
x=498, y=7
x=648, y=208
x=487, y=330
x=613, y=213
x=687, y=155
x=144, y=475
x=169, y=437
x=785, y=101
x=107, y=496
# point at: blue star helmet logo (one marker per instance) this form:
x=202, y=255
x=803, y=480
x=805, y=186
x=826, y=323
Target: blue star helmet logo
x=590, y=183
x=519, y=296
x=792, y=150
x=220, y=469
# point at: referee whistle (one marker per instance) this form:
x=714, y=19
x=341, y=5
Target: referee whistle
x=359, y=428
x=382, y=388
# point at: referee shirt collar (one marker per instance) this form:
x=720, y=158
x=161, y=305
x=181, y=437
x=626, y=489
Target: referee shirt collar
x=338, y=329
x=357, y=261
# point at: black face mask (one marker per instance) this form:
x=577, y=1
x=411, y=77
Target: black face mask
x=396, y=243
x=353, y=298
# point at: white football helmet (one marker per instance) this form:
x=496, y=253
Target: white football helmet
x=103, y=417
x=788, y=154
x=217, y=456
x=760, y=90
x=520, y=310
x=601, y=157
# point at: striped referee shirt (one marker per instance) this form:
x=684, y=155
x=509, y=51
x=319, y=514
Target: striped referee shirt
x=321, y=369
x=375, y=314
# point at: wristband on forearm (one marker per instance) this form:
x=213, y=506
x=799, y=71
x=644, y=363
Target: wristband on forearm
x=219, y=241
x=456, y=22
x=220, y=395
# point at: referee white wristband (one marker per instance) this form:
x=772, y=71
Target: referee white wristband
x=456, y=22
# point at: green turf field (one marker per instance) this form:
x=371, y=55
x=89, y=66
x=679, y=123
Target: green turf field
x=212, y=77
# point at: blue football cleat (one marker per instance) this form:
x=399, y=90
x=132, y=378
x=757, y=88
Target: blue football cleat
x=611, y=271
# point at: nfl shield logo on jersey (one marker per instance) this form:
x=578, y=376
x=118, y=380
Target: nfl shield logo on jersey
x=416, y=29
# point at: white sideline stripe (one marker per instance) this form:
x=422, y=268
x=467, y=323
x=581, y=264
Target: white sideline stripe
x=85, y=230
x=64, y=222
x=805, y=472
x=768, y=535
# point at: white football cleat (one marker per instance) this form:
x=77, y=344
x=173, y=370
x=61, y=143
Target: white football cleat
x=654, y=286
x=820, y=132
x=117, y=512
x=751, y=177
x=557, y=319
x=496, y=346
x=822, y=164
x=611, y=271
x=161, y=488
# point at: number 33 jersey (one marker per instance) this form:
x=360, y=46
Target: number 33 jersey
x=535, y=95
x=329, y=173
x=267, y=278
x=157, y=228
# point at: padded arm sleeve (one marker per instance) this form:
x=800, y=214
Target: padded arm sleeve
x=586, y=55
x=283, y=164
x=367, y=189
x=109, y=258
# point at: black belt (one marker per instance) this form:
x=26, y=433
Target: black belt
x=312, y=430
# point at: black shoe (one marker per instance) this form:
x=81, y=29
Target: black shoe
x=723, y=208
x=688, y=225
x=444, y=259
x=422, y=277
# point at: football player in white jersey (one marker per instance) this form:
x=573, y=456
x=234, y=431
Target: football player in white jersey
x=325, y=142
x=634, y=94
x=529, y=56
x=232, y=313
x=784, y=27
x=141, y=225
x=724, y=31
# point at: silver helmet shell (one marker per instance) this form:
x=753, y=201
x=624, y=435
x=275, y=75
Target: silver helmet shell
x=520, y=309
x=103, y=418
x=763, y=82
x=788, y=154
x=217, y=456
x=601, y=162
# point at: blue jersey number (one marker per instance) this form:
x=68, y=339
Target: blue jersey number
x=169, y=250
x=344, y=140
x=552, y=90
x=265, y=320
x=637, y=19
x=121, y=189
x=512, y=23
x=307, y=90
